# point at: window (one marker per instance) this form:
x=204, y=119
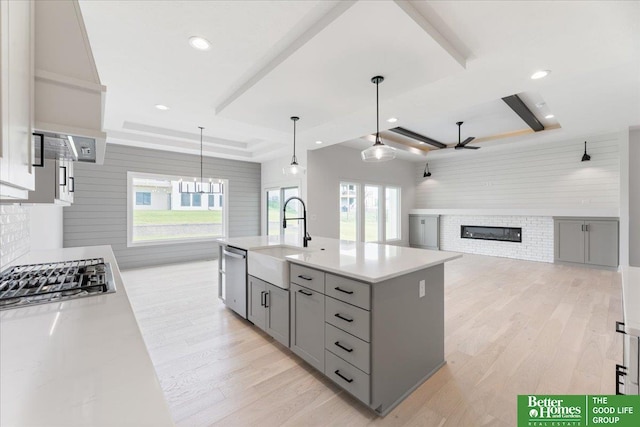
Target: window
x=158, y=213
x=374, y=217
x=348, y=211
x=392, y=213
x=275, y=199
x=143, y=198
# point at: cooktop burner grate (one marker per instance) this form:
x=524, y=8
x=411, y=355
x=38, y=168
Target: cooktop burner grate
x=58, y=281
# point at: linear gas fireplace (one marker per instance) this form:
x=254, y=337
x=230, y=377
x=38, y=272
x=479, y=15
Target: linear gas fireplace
x=502, y=234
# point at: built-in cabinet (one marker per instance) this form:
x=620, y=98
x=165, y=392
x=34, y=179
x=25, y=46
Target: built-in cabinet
x=269, y=309
x=586, y=241
x=424, y=231
x=55, y=183
x=16, y=98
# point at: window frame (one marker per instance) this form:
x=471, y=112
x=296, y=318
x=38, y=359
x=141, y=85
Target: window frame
x=281, y=190
x=382, y=210
x=131, y=175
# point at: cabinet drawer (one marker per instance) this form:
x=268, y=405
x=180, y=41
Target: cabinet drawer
x=347, y=317
x=307, y=277
x=347, y=347
x=347, y=376
x=347, y=290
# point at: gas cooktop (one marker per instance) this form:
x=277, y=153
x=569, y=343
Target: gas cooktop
x=23, y=285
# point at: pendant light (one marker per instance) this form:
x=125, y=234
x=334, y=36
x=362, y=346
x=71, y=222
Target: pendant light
x=200, y=187
x=426, y=173
x=585, y=156
x=294, y=168
x=378, y=152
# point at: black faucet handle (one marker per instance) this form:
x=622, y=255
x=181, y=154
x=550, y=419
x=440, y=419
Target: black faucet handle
x=308, y=237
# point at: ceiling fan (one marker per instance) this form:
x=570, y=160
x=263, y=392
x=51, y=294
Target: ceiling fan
x=463, y=144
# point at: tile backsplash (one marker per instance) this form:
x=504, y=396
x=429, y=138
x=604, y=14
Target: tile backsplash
x=14, y=233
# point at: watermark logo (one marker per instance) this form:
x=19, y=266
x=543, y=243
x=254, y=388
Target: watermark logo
x=578, y=411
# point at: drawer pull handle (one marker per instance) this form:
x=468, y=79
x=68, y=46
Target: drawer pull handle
x=346, y=319
x=303, y=277
x=349, y=380
x=303, y=292
x=337, y=288
x=621, y=371
x=620, y=327
x=343, y=347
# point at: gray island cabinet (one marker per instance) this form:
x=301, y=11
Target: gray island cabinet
x=379, y=341
x=368, y=316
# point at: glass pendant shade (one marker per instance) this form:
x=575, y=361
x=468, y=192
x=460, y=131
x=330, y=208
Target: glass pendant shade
x=294, y=168
x=378, y=152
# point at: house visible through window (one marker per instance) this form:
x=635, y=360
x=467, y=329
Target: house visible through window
x=159, y=213
x=143, y=198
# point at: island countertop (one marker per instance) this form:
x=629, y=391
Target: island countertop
x=78, y=362
x=369, y=262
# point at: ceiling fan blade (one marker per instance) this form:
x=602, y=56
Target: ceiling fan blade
x=468, y=140
x=470, y=147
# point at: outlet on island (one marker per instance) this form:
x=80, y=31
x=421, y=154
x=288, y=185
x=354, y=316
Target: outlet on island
x=422, y=289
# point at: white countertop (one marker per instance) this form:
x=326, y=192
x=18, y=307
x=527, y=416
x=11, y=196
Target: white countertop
x=77, y=363
x=369, y=262
x=631, y=299
x=571, y=212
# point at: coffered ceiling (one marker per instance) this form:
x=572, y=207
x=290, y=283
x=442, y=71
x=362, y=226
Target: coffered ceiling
x=443, y=62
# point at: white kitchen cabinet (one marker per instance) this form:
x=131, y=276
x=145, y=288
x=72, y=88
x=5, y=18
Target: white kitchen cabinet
x=16, y=98
x=55, y=183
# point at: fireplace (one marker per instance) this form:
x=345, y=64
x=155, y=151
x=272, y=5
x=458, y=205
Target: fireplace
x=502, y=234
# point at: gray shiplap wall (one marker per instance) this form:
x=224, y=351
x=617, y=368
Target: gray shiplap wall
x=545, y=175
x=98, y=215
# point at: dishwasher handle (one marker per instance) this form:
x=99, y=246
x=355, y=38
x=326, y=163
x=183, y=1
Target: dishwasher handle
x=233, y=254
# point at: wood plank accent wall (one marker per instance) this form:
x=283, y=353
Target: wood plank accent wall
x=98, y=215
x=545, y=175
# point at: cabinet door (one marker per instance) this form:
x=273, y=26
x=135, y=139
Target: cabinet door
x=307, y=325
x=569, y=240
x=16, y=93
x=257, y=310
x=416, y=230
x=277, y=304
x=602, y=243
x=430, y=232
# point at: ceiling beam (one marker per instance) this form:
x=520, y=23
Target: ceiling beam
x=418, y=137
x=286, y=52
x=519, y=107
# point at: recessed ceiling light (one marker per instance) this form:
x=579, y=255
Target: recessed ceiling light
x=540, y=74
x=318, y=142
x=392, y=119
x=199, y=43
x=549, y=116
x=162, y=107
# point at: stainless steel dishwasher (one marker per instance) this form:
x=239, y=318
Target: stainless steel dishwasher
x=232, y=279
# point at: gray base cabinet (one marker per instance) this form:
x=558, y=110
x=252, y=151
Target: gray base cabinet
x=377, y=341
x=269, y=309
x=586, y=241
x=424, y=231
x=307, y=325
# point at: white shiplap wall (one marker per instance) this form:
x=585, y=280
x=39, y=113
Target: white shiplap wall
x=98, y=215
x=545, y=175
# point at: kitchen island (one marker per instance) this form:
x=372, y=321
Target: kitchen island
x=369, y=316
x=79, y=362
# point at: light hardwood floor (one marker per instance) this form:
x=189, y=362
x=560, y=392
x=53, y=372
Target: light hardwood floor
x=511, y=327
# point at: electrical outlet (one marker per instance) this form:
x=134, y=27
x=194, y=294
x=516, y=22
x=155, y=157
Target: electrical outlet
x=422, y=288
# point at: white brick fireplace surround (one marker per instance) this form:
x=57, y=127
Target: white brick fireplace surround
x=537, y=236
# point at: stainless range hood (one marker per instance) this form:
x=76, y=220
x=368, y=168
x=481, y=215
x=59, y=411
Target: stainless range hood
x=69, y=97
x=63, y=146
